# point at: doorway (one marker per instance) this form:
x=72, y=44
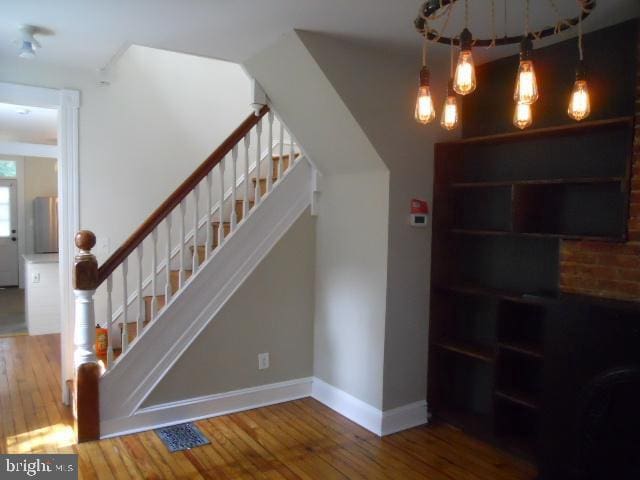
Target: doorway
x=29, y=289
x=64, y=151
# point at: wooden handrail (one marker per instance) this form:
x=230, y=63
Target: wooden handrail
x=177, y=196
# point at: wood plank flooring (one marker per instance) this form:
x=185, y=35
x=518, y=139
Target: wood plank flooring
x=300, y=439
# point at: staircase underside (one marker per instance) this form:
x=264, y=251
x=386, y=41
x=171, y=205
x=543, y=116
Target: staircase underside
x=124, y=388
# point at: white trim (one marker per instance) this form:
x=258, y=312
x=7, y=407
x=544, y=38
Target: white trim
x=367, y=416
x=29, y=96
x=22, y=224
x=404, y=417
x=193, y=409
x=137, y=372
x=28, y=149
x=67, y=102
x=69, y=222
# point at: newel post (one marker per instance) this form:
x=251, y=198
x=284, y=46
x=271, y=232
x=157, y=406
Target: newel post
x=87, y=370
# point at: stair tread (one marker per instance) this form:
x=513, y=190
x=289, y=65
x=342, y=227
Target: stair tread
x=264, y=179
x=285, y=155
x=160, y=297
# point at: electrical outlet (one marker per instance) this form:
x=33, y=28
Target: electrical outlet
x=263, y=361
x=35, y=278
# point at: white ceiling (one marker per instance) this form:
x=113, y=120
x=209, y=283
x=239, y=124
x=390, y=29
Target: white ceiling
x=87, y=34
x=27, y=124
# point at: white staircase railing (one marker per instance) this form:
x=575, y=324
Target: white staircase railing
x=145, y=284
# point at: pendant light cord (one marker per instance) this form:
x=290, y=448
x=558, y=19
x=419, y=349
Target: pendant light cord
x=451, y=59
x=505, y=19
x=526, y=18
x=424, y=49
x=493, y=24
x=581, y=53
x=466, y=13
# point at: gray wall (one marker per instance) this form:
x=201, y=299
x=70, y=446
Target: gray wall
x=351, y=232
x=379, y=88
x=271, y=312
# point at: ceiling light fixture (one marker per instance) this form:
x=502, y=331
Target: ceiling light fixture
x=450, y=113
x=580, y=103
x=27, y=41
x=526, y=89
x=425, y=111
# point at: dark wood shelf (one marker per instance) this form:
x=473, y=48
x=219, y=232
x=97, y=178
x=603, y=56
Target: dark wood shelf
x=519, y=398
x=468, y=349
x=546, y=181
x=497, y=233
x=572, y=129
x=478, y=290
x=523, y=348
x=502, y=205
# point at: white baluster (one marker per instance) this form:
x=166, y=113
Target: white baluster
x=125, y=336
x=270, y=161
x=140, y=319
x=209, y=224
x=109, y=321
x=234, y=199
x=196, y=257
x=291, y=151
x=168, y=291
x=281, y=150
x=221, y=209
x=154, y=271
x=258, y=154
x=245, y=203
x=181, y=279
x=84, y=335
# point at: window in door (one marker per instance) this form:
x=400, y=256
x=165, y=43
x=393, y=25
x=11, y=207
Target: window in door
x=8, y=169
x=5, y=211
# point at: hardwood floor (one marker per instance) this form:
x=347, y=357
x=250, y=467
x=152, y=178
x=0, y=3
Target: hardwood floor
x=299, y=439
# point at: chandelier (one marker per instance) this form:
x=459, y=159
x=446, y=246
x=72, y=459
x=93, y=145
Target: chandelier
x=463, y=76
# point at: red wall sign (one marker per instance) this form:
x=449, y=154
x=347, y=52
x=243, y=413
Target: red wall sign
x=419, y=206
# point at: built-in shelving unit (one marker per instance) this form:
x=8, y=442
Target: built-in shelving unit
x=502, y=205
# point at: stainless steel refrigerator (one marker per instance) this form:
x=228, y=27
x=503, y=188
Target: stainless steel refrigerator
x=45, y=224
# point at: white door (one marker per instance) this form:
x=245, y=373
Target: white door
x=8, y=233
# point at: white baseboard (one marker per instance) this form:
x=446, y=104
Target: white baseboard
x=207, y=406
x=375, y=420
x=404, y=417
x=347, y=405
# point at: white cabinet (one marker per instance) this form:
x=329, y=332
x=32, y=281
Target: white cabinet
x=42, y=293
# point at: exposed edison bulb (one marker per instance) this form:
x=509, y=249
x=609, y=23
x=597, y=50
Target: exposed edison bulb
x=523, y=117
x=449, y=119
x=425, y=113
x=579, y=104
x=464, y=80
x=526, y=84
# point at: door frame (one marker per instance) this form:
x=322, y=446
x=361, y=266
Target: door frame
x=67, y=103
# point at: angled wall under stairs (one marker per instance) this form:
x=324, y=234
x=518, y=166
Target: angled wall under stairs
x=126, y=387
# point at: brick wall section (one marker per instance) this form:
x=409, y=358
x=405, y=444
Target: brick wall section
x=602, y=269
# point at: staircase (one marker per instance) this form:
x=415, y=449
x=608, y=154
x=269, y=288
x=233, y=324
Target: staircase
x=172, y=282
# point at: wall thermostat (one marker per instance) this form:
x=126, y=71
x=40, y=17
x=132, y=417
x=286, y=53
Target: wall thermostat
x=419, y=214
x=418, y=219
